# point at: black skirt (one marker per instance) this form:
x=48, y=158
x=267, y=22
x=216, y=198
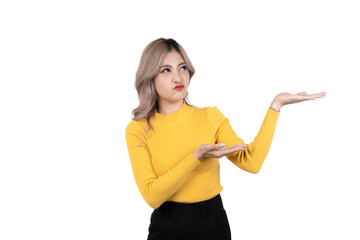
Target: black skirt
x=180, y=221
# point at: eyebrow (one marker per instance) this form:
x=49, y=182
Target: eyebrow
x=170, y=66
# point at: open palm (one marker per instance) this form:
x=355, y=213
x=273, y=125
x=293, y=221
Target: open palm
x=288, y=98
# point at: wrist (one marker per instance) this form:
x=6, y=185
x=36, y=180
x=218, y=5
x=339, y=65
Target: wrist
x=275, y=105
x=197, y=154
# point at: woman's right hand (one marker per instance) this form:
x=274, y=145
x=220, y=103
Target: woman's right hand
x=216, y=151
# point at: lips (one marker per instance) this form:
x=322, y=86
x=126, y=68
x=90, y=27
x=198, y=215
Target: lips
x=179, y=87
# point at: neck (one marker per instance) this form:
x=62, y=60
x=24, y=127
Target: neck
x=166, y=108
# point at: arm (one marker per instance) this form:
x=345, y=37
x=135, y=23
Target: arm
x=252, y=158
x=154, y=189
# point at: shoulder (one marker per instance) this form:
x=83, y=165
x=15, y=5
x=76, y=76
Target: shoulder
x=213, y=111
x=136, y=126
x=214, y=114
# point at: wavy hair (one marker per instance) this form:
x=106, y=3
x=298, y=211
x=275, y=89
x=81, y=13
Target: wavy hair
x=151, y=59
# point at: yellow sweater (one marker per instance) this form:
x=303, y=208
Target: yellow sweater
x=168, y=171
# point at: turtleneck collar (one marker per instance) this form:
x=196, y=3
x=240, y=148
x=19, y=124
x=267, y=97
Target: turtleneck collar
x=174, y=118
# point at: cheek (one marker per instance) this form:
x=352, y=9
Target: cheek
x=188, y=82
x=159, y=84
x=186, y=77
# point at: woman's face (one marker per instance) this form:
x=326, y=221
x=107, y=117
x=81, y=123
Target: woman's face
x=173, y=72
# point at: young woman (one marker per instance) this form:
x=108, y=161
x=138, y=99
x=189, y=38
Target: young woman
x=174, y=147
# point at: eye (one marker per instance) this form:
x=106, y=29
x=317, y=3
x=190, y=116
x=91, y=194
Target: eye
x=185, y=67
x=165, y=70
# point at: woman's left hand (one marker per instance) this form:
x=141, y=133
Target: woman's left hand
x=286, y=98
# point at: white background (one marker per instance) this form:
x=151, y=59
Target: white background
x=67, y=71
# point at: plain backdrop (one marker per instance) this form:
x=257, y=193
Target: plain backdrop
x=67, y=71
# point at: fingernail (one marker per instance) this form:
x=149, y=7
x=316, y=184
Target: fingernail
x=324, y=95
x=222, y=144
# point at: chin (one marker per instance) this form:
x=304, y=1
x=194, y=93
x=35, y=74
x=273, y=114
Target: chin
x=177, y=99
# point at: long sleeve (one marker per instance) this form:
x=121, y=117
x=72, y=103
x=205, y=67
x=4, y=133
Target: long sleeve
x=154, y=189
x=250, y=160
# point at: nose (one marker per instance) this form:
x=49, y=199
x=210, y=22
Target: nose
x=176, y=77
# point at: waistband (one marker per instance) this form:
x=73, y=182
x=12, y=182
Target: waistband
x=191, y=211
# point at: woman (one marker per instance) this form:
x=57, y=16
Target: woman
x=174, y=147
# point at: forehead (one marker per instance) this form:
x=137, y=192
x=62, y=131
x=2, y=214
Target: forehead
x=173, y=57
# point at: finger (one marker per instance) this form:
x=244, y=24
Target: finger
x=218, y=153
x=213, y=147
x=244, y=146
x=303, y=93
x=230, y=151
x=310, y=97
x=322, y=94
x=219, y=145
x=222, y=150
x=225, y=150
x=233, y=148
x=210, y=147
x=317, y=95
x=306, y=97
x=236, y=147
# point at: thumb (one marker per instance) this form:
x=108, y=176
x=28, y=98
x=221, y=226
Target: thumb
x=303, y=93
x=210, y=147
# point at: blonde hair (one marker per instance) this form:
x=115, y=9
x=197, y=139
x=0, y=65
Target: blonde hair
x=151, y=59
